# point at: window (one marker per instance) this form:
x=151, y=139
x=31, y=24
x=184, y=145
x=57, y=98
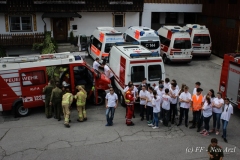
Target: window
x=182, y=44
x=216, y=21
x=33, y=78
x=232, y=1
x=118, y=20
x=129, y=38
x=23, y=23
x=165, y=41
x=137, y=73
x=211, y=1
x=108, y=47
x=201, y=39
x=154, y=72
x=171, y=18
x=189, y=18
x=97, y=43
x=231, y=23
x=155, y=17
x=151, y=44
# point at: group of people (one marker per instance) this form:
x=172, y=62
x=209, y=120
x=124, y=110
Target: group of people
x=159, y=104
x=59, y=101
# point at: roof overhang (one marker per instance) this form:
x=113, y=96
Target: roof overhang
x=120, y=2
x=61, y=15
x=59, y=2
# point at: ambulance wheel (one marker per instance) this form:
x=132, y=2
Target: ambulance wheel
x=21, y=111
x=122, y=101
x=165, y=59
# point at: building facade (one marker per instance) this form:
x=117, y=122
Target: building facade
x=222, y=19
x=170, y=12
x=31, y=17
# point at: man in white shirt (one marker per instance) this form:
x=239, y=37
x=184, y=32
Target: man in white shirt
x=109, y=74
x=143, y=97
x=185, y=99
x=167, y=83
x=173, y=105
x=225, y=117
x=96, y=64
x=111, y=101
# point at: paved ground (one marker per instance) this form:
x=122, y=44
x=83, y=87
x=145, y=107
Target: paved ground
x=35, y=137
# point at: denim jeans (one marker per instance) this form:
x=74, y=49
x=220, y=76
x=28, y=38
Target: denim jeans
x=155, y=119
x=216, y=120
x=224, y=125
x=183, y=112
x=206, y=122
x=149, y=113
x=109, y=119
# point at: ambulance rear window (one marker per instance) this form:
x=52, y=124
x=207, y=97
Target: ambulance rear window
x=201, y=39
x=108, y=47
x=137, y=73
x=182, y=44
x=154, y=72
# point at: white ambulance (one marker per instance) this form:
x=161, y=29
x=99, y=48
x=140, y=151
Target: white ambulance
x=147, y=37
x=175, y=44
x=101, y=41
x=134, y=63
x=200, y=38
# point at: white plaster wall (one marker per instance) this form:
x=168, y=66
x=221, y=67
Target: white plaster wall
x=90, y=20
x=160, y=7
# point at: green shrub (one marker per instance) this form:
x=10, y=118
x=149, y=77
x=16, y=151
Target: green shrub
x=2, y=51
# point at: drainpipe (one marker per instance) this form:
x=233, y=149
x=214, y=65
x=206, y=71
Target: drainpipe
x=140, y=18
x=45, y=28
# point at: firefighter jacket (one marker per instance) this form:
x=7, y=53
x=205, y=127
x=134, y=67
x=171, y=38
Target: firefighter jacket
x=67, y=99
x=81, y=98
x=129, y=97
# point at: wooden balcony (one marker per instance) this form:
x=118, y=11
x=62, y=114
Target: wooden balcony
x=175, y=1
x=24, y=39
x=71, y=6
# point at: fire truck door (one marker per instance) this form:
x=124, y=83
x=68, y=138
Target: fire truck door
x=233, y=83
x=33, y=80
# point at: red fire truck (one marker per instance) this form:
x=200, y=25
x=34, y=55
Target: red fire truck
x=230, y=78
x=22, y=79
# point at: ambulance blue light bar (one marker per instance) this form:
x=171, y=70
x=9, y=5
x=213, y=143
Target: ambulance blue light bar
x=126, y=43
x=194, y=27
x=142, y=33
x=156, y=33
x=141, y=55
x=174, y=30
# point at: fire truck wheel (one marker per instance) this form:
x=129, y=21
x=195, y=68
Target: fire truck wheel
x=165, y=59
x=21, y=111
x=122, y=101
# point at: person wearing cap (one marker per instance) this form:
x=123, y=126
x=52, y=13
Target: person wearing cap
x=67, y=100
x=196, y=106
x=56, y=101
x=81, y=97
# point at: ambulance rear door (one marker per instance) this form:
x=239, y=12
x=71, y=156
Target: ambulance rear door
x=33, y=80
x=233, y=84
x=137, y=71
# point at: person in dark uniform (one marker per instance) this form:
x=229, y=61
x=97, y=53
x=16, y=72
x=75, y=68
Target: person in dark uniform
x=215, y=152
x=56, y=101
x=48, y=91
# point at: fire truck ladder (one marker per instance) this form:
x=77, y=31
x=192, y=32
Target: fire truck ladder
x=34, y=58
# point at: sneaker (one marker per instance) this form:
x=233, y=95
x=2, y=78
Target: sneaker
x=192, y=127
x=212, y=130
x=217, y=132
x=225, y=140
x=205, y=134
x=155, y=127
x=150, y=125
x=67, y=125
x=203, y=131
x=161, y=121
x=149, y=122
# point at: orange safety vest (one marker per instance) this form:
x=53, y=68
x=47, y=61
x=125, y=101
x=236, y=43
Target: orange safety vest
x=197, y=103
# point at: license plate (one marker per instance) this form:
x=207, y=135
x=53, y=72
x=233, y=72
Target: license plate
x=177, y=53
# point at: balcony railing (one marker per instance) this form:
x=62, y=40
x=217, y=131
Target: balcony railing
x=21, y=39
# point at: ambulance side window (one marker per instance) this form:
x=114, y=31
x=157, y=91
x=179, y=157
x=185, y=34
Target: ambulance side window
x=137, y=73
x=165, y=41
x=97, y=43
x=33, y=78
x=129, y=38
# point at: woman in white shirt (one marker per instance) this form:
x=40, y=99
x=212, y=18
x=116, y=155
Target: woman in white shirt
x=148, y=106
x=207, y=114
x=225, y=117
x=217, y=111
x=156, y=109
